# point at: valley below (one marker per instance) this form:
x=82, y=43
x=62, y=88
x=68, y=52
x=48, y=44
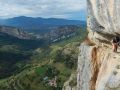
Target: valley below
x=39, y=61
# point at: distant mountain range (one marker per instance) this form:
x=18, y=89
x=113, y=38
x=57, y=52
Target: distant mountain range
x=42, y=24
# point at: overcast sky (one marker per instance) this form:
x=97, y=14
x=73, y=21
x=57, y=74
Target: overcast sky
x=69, y=9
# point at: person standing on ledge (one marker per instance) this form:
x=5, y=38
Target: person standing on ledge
x=115, y=42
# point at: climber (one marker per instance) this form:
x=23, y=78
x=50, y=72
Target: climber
x=115, y=42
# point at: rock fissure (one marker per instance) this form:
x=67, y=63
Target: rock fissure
x=96, y=69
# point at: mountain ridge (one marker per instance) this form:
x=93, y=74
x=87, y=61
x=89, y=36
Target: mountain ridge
x=30, y=22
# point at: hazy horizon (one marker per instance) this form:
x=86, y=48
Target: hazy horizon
x=40, y=17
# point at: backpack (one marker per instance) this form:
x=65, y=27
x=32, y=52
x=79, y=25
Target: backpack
x=117, y=39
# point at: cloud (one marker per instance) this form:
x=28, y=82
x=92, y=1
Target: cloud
x=41, y=8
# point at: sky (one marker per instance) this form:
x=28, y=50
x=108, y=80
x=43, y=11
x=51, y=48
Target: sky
x=68, y=9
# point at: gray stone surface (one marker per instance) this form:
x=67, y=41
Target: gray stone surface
x=98, y=65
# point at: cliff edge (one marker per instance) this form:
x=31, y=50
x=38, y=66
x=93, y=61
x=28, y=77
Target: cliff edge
x=98, y=65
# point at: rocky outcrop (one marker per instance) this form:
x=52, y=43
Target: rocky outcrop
x=15, y=32
x=71, y=83
x=98, y=65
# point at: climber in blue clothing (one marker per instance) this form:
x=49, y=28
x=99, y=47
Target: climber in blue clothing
x=115, y=43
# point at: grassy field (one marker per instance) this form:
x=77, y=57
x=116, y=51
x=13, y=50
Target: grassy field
x=41, y=70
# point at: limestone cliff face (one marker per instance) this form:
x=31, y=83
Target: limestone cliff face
x=98, y=66
x=103, y=19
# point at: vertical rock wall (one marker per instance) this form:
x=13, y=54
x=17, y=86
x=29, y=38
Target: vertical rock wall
x=98, y=65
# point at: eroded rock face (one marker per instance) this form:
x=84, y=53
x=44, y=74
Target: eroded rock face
x=98, y=68
x=98, y=65
x=83, y=72
x=15, y=32
x=103, y=18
